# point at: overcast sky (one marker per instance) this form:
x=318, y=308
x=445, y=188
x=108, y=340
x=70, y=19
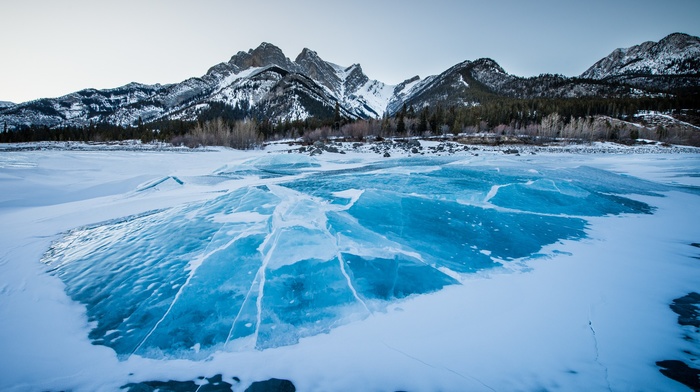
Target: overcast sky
x=49, y=48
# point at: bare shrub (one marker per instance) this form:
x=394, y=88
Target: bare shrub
x=357, y=130
x=244, y=135
x=316, y=135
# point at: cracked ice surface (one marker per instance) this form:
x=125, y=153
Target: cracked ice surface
x=263, y=266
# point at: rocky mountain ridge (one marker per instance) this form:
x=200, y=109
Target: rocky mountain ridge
x=672, y=63
x=265, y=84
x=676, y=54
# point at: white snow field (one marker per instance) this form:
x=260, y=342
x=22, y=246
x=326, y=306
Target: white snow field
x=352, y=272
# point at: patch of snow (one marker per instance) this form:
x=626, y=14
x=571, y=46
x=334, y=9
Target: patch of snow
x=461, y=80
x=228, y=80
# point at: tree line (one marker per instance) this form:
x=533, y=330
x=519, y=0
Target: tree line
x=544, y=118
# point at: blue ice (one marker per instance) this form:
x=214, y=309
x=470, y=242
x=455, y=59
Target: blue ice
x=264, y=266
x=269, y=166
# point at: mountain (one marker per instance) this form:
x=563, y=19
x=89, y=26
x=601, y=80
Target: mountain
x=6, y=104
x=473, y=82
x=264, y=83
x=672, y=63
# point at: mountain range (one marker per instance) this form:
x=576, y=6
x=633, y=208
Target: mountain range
x=264, y=83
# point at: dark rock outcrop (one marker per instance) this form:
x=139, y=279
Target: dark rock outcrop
x=272, y=385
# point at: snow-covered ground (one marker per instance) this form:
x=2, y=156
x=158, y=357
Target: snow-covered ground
x=587, y=309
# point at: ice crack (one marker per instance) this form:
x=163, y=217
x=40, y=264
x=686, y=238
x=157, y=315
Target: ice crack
x=245, y=300
x=597, y=353
x=349, y=281
x=192, y=267
x=272, y=237
x=466, y=377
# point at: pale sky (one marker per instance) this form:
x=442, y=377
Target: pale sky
x=50, y=48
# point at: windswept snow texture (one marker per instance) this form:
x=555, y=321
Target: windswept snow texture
x=266, y=265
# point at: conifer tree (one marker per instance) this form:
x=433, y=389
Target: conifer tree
x=423, y=121
x=401, y=125
x=336, y=116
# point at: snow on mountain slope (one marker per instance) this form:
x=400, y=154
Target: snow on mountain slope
x=348, y=85
x=447, y=88
x=371, y=98
x=676, y=54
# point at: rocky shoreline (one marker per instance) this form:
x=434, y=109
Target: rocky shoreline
x=409, y=147
x=210, y=384
x=386, y=147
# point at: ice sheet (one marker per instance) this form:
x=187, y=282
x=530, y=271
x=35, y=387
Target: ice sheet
x=263, y=266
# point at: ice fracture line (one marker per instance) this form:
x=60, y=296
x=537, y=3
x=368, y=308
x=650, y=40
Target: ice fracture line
x=347, y=278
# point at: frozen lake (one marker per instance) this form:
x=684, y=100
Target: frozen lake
x=476, y=272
